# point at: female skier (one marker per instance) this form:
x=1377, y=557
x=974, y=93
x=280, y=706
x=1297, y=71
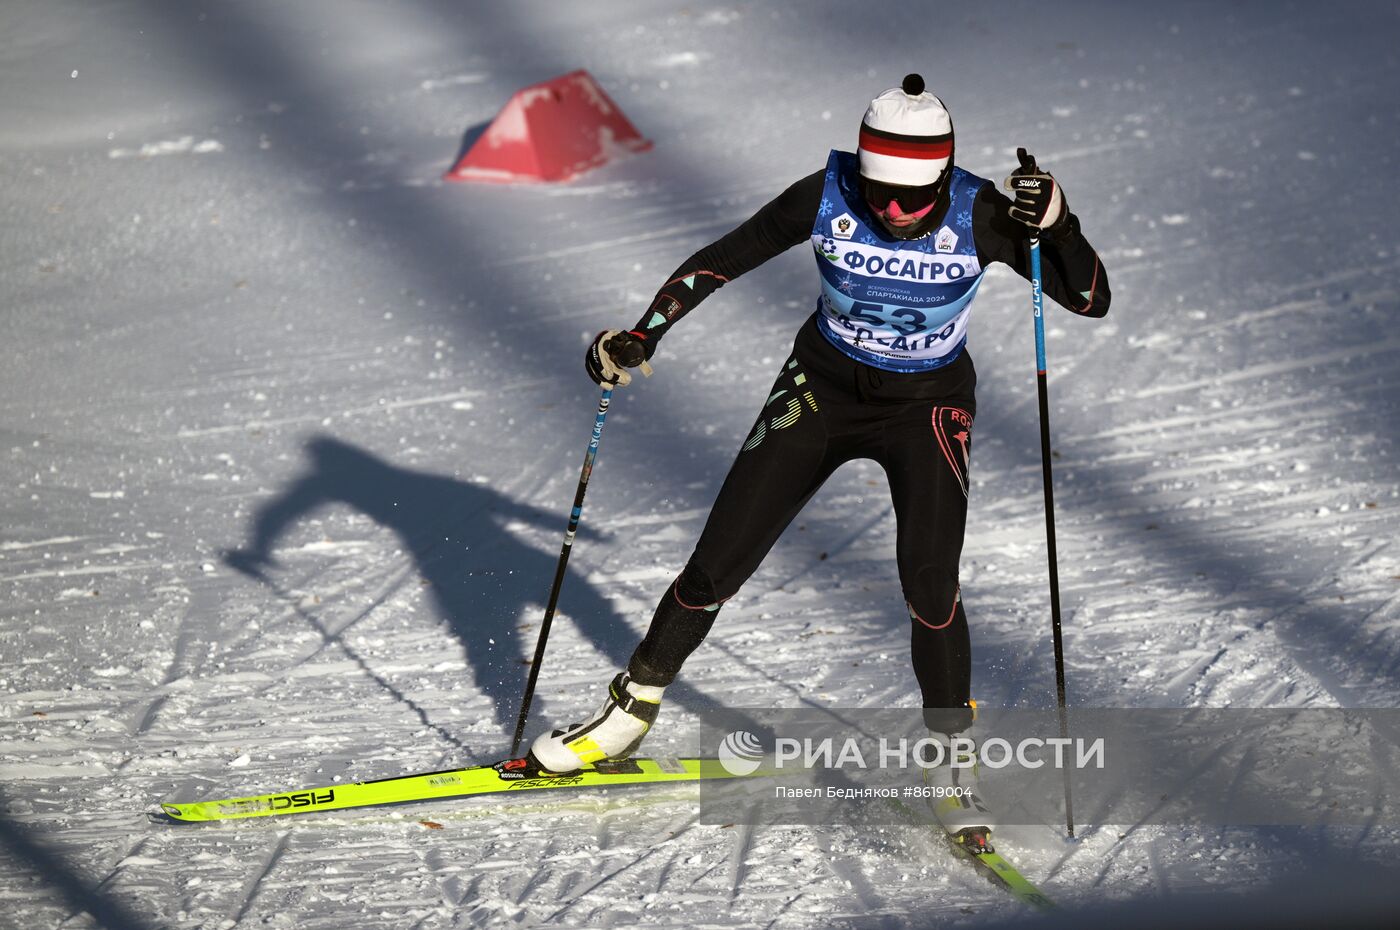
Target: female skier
x=879, y=371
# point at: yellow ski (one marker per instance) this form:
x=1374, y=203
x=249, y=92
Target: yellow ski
x=509, y=775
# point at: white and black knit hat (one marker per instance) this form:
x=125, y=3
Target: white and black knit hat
x=906, y=137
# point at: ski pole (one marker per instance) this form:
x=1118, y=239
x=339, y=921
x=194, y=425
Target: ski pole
x=535, y=664
x=1038, y=301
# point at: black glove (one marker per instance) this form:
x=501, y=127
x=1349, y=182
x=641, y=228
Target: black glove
x=612, y=353
x=1040, y=204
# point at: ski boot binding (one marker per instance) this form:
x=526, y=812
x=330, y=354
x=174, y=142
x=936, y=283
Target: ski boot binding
x=957, y=804
x=615, y=731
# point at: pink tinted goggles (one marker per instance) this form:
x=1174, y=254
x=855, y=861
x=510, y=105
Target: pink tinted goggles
x=893, y=211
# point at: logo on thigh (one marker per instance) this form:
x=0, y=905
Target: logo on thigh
x=952, y=427
x=788, y=411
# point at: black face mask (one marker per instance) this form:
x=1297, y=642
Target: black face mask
x=878, y=195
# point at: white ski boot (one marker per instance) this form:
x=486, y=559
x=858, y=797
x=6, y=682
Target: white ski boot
x=613, y=732
x=956, y=801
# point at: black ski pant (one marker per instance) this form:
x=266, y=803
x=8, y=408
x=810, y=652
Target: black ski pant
x=824, y=410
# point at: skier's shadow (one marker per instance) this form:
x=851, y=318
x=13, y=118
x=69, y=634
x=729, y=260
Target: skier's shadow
x=481, y=577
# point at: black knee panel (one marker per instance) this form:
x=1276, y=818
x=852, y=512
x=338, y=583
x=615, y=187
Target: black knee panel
x=941, y=649
x=694, y=588
x=933, y=598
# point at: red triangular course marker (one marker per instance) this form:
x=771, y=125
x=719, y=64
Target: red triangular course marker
x=553, y=131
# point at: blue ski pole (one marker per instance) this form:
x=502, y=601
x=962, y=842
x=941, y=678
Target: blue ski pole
x=574, y=516
x=1038, y=300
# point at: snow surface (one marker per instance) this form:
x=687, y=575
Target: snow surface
x=234, y=290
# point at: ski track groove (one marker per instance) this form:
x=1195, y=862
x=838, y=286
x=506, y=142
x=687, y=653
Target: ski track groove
x=851, y=872
x=1383, y=764
x=111, y=875
x=199, y=605
x=541, y=876
x=336, y=638
x=787, y=905
x=368, y=410
x=1120, y=848
x=636, y=861
x=332, y=637
x=255, y=882
x=434, y=861
x=288, y=609
x=471, y=891
x=1159, y=872
x=738, y=869
x=1348, y=354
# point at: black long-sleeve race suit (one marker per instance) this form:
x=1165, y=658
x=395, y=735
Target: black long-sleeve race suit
x=826, y=409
